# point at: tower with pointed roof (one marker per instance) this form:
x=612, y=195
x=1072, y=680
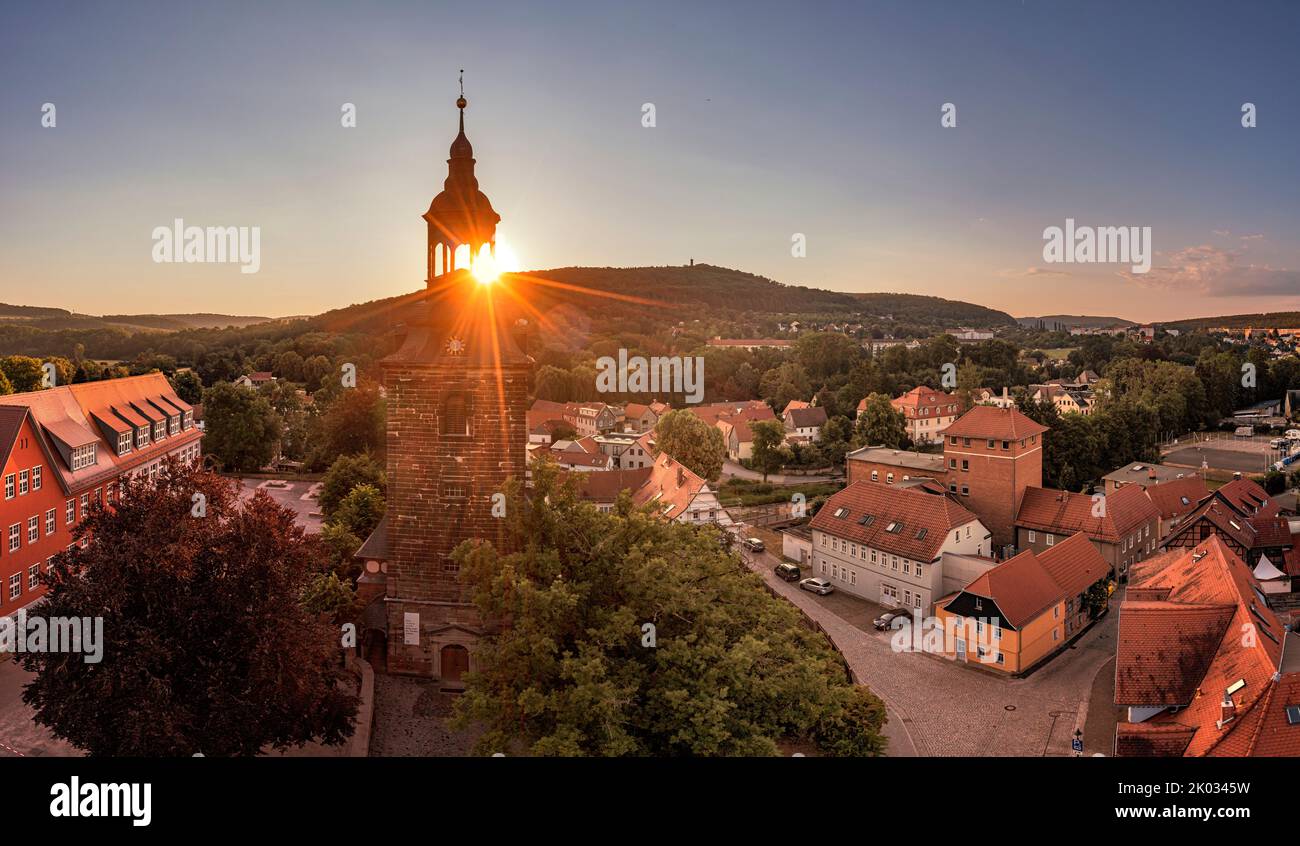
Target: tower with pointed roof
x=461, y=214
x=456, y=431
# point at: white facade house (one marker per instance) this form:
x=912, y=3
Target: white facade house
x=887, y=544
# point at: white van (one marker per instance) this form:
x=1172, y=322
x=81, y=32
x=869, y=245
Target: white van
x=1293, y=434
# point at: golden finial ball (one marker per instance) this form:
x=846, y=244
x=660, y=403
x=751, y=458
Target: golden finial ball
x=461, y=102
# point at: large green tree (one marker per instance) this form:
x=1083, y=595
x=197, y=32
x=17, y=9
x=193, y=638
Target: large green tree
x=880, y=424
x=205, y=646
x=767, y=455
x=242, y=430
x=634, y=636
x=691, y=441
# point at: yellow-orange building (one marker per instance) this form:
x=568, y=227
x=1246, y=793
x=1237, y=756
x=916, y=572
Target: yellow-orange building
x=1025, y=609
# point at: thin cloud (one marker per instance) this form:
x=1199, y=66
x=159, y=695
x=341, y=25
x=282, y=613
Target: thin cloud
x=1216, y=272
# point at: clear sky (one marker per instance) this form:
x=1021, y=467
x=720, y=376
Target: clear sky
x=772, y=119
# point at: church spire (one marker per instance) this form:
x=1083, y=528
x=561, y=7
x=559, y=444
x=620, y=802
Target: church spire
x=461, y=214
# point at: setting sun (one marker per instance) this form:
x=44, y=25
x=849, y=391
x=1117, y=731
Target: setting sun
x=487, y=268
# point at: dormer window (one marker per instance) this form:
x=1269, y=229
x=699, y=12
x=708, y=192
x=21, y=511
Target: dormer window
x=142, y=437
x=123, y=443
x=188, y=421
x=159, y=430
x=83, y=456
x=173, y=424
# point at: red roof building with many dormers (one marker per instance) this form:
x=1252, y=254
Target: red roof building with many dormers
x=64, y=448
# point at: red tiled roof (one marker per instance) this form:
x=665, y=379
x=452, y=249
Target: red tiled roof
x=1062, y=512
x=1029, y=583
x=11, y=422
x=1248, y=498
x=1147, y=740
x=917, y=512
x=1191, y=647
x=606, y=485
x=1177, y=496
x=925, y=403
x=670, y=488
x=989, y=421
x=1165, y=650
x=811, y=416
x=67, y=413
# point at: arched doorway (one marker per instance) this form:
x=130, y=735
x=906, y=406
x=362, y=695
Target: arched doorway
x=455, y=662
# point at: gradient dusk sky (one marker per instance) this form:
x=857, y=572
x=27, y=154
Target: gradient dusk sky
x=772, y=119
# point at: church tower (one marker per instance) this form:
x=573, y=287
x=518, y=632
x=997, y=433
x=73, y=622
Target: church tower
x=457, y=402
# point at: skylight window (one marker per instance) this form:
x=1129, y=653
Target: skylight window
x=1293, y=714
x=895, y=527
x=867, y=520
x=840, y=512
x=920, y=534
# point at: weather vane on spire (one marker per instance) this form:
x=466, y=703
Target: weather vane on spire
x=461, y=102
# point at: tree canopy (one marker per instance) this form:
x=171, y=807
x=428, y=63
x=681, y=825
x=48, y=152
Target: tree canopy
x=207, y=646
x=630, y=635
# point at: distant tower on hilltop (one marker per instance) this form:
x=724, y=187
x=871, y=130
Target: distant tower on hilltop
x=456, y=430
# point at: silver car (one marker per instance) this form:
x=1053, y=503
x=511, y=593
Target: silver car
x=821, y=587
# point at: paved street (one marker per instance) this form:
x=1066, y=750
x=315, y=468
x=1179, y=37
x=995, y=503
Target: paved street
x=19, y=736
x=949, y=709
x=731, y=468
x=298, y=496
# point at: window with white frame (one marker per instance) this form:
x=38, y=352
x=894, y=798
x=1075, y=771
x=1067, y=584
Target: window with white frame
x=173, y=424
x=24, y=484
x=123, y=443
x=159, y=430
x=51, y=522
x=33, y=576
x=15, y=536
x=9, y=486
x=85, y=505
x=15, y=585
x=1032, y=535
x=142, y=437
x=83, y=456
x=36, y=477
x=33, y=529
x=189, y=419
x=71, y=512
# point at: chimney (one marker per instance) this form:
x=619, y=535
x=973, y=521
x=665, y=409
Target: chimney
x=681, y=477
x=1151, y=472
x=1227, y=710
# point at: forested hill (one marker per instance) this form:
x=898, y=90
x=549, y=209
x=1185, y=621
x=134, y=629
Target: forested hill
x=680, y=292
x=917, y=308
x=702, y=284
x=1279, y=319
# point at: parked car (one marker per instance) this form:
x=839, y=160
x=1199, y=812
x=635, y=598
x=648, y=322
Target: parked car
x=887, y=619
x=754, y=544
x=787, y=571
x=820, y=587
